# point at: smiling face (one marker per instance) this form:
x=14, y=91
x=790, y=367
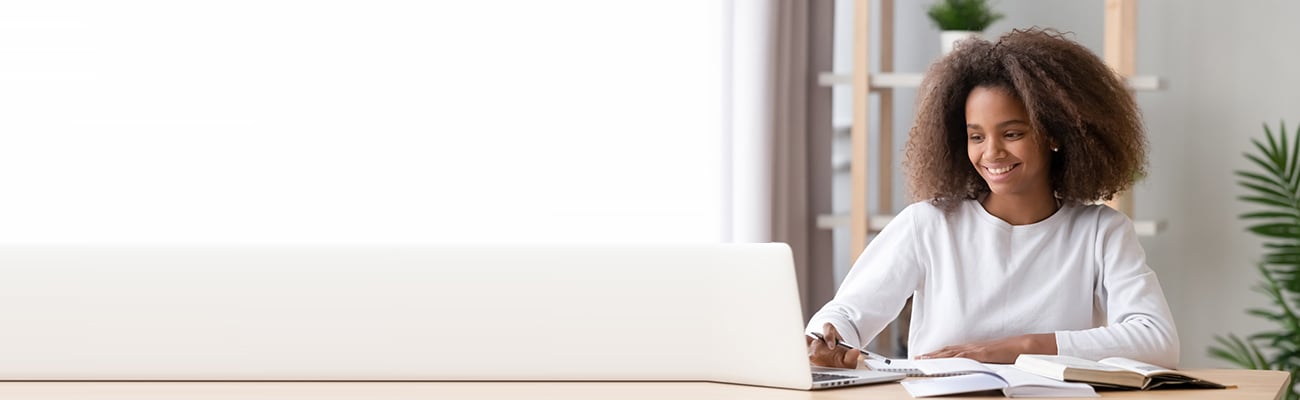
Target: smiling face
x=1003, y=146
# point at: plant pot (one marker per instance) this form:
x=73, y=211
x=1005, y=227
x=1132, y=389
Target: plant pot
x=948, y=38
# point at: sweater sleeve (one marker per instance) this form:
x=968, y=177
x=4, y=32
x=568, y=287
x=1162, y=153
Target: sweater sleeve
x=1139, y=324
x=876, y=288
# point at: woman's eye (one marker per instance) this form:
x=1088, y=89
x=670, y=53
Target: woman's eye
x=1015, y=135
x=976, y=137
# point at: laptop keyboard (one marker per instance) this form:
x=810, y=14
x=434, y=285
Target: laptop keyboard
x=823, y=377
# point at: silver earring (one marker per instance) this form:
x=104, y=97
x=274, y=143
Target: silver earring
x=1056, y=149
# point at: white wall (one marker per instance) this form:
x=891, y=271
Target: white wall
x=1231, y=66
x=360, y=121
x=1228, y=66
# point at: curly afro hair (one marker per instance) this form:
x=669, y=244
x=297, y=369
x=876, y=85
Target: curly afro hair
x=1073, y=98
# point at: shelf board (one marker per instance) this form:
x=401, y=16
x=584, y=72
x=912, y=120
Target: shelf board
x=911, y=80
x=877, y=222
x=833, y=221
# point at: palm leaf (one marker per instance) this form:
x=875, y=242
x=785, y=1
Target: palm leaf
x=1270, y=168
x=1270, y=192
x=1274, y=187
x=1234, y=350
x=1282, y=258
x=1264, y=180
x=1267, y=315
x=1295, y=154
x=1280, y=157
x=1272, y=143
x=1268, y=201
x=1277, y=230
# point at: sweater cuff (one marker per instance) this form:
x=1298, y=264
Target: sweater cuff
x=1065, y=346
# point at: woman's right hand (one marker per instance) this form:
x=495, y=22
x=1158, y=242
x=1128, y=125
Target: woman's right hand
x=825, y=353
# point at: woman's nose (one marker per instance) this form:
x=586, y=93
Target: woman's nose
x=996, y=150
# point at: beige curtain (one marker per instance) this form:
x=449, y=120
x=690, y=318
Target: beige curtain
x=801, y=143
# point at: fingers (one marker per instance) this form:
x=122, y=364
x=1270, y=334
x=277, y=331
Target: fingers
x=1001, y=351
x=832, y=336
x=850, y=359
x=835, y=359
x=946, y=352
x=819, y=354
x=824, y=351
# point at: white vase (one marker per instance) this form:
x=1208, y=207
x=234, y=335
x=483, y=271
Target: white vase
x=948, y=38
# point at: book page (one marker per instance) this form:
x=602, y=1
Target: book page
x=953, y=385
x=1074, y=362
x=895, y=365
x=1021, y=383
x=1136, y=366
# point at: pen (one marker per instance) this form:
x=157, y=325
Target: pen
x=841, y=343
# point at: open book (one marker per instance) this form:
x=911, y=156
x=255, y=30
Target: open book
x=1115, y=371
x=981, y=377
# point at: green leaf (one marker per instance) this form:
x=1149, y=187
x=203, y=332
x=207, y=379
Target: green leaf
x=962, y=15
x=1270, y=192
x=1271, y=179
x=1285, y=251
x=1231, y=352
x=1270, y=214
x=1272, y=142
x=1280, y=156
x=1267, y=201
x=1287, y=258
x=1263, y=180
x=1268, y=167
x=1295, y=157
x=1271, y=155
x=1275, y=189
x=1236, y=351
x=1277, y=230
x=1283, y=260
x=1267, y=315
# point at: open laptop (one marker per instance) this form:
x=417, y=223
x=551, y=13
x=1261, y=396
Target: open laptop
x=722, y=313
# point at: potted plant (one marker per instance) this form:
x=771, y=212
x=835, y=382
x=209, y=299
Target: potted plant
x=1276, y=189
x=960, y=19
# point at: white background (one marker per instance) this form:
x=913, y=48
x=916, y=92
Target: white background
x=377, y=121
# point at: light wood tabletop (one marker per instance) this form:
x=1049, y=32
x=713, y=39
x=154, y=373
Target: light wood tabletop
x=1250, y=385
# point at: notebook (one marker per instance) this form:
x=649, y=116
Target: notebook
x=968, y=376
x=908, y=367
x=720, y=313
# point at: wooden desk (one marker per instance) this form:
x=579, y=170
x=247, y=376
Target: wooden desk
x=1251, y=385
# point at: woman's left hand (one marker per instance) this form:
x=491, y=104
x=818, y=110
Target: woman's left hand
x=1000, y=351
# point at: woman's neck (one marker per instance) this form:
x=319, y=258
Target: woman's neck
x=1021, y=209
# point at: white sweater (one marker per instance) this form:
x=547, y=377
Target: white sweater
x=1080, y=273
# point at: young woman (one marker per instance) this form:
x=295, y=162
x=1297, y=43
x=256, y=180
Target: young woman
x=1015, y=142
